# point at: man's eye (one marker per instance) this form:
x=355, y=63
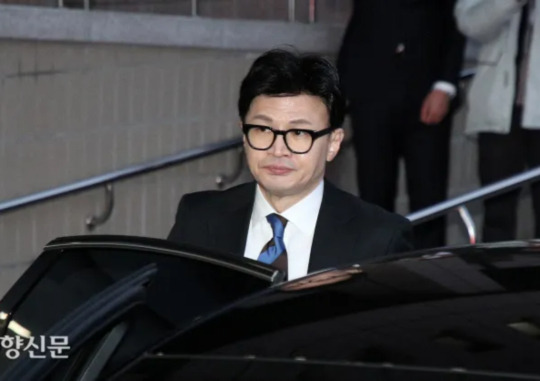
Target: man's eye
x=299, y=133
x=262, y=129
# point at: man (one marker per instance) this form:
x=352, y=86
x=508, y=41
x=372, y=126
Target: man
x=291, y=110
x=399, y=63
x=504, y=101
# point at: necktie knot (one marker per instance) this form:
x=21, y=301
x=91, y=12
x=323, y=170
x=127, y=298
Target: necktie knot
x=277, y=223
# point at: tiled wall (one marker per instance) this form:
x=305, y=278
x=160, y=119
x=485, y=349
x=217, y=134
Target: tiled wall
x=71, y=111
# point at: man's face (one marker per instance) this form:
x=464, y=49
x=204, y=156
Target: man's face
x=279, y=172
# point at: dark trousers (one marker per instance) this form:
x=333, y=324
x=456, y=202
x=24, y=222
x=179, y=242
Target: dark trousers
x=501, y=156
x=385, y=132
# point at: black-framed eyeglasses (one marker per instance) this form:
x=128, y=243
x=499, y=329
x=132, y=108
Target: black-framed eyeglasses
x=297, y=140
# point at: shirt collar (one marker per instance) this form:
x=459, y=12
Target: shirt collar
x=303, y=214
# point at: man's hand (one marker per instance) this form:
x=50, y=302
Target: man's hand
x=435, y=107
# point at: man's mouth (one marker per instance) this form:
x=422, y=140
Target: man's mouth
x=277, y=169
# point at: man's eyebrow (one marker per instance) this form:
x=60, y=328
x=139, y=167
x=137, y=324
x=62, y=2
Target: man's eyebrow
x=267, y=119
x=264, y=118
x=300, y=121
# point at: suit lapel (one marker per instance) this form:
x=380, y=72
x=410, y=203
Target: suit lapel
x=332, y=243
x=230, y=229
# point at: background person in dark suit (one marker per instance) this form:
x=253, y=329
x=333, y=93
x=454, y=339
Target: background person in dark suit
x=399, y=63
x=291, y=110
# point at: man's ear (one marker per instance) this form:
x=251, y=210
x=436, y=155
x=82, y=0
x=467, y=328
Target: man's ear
x=336, y=137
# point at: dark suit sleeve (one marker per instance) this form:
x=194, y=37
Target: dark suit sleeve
x=401, y=240
x=182, y=215
x=453, y=46
x=191, y=225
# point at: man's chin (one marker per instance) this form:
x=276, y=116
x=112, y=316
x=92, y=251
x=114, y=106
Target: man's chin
x=278, y=190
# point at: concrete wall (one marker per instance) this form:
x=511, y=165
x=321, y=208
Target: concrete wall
x=70, y=111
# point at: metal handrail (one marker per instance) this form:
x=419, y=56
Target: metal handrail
x=132, y=171
x=491, y=190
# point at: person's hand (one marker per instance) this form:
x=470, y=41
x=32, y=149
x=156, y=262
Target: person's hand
x=435, y=107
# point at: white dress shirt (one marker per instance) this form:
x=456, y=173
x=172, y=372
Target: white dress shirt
x=299, y=231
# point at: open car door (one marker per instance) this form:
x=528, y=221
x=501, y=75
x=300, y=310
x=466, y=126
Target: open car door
x=107, y=299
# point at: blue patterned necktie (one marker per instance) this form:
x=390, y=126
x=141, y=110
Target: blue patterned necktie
x=274, y=252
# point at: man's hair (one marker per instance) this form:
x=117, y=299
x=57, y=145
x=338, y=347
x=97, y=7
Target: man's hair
x=283, y=73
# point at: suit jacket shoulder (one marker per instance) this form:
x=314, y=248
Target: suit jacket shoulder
x=396, y=229
x=205, y=201
x=350, y=230
x=215, y=220
x=362, y=210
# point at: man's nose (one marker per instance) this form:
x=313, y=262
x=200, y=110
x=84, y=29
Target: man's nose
x=279, y=148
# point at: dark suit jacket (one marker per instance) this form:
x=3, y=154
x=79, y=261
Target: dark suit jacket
x=371, y=65
x=348, y=230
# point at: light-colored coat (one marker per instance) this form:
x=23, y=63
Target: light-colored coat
x=495, y=24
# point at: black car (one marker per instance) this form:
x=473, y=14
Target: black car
x=126, y=308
